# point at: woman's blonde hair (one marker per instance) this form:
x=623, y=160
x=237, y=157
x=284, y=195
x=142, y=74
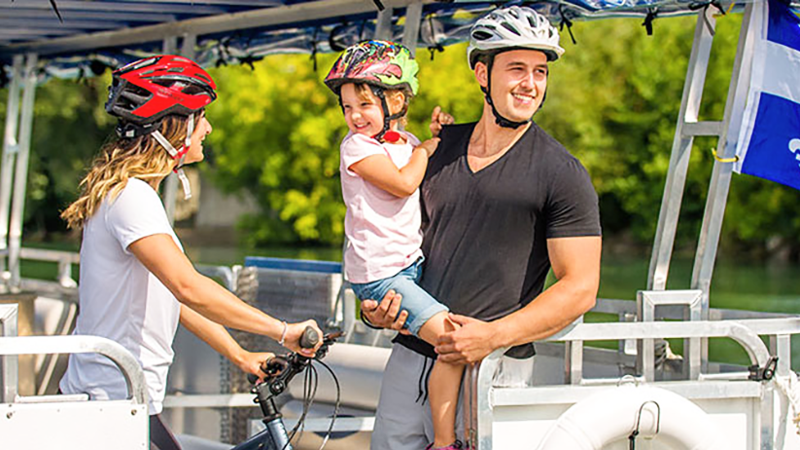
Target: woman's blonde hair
x=140, y=157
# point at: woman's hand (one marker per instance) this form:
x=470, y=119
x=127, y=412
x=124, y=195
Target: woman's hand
x=250, y=362
x=293, y=333
x=429, y=146
x=438, y=119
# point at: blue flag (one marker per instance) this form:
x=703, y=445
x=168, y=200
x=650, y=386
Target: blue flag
x=769, y=145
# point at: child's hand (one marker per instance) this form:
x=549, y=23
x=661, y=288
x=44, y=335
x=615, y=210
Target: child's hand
x=439, y=118
x=429, y=146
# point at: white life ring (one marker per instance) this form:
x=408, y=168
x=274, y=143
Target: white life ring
x=612, y=415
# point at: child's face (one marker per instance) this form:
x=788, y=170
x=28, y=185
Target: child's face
x=363, y=113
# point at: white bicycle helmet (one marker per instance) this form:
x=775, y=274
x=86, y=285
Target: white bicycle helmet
x=514, y=27
x=510, y=28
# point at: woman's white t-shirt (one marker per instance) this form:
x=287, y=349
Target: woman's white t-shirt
x=121, y=300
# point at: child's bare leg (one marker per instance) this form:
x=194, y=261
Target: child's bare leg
x=443, y=390
x=443, y=385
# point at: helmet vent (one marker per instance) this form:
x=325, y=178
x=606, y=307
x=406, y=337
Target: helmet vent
x=510, y=28
x=481, y=35
x=175, y=69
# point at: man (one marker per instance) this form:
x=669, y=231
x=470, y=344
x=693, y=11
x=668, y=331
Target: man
x=503, y=202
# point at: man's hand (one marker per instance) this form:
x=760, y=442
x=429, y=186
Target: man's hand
x=385, y=314
x=468, y=344
x=439, y=118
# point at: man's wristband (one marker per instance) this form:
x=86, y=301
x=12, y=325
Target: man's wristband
x=283, y=334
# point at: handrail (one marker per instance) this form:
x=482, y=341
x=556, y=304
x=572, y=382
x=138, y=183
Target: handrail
x=745, y=332
x=131, y=370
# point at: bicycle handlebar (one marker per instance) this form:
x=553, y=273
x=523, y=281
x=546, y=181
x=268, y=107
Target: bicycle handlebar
x=281, y=369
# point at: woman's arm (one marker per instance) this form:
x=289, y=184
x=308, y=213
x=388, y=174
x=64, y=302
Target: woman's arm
x=162, y=257
x=216, y=336
x=381, y=171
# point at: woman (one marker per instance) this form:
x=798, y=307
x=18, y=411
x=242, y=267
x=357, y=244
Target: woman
x=135, y=281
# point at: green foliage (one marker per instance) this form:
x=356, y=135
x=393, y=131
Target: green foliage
x=613, y=101
x=69, y=126
x=276, y=130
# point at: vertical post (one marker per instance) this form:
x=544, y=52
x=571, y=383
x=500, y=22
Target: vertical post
x=170, y=47
x=411, y=28
x=719, y=185
x=10, y=149
x=383, y=24
x=9, y=368
x=721, y=175
x=21, y=169
x=681, y=151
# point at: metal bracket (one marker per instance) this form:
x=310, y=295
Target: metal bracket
x=763, y=373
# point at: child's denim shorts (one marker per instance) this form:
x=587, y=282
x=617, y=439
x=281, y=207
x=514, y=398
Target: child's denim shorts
x=418, y=303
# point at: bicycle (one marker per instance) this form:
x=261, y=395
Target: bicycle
x=279, y=371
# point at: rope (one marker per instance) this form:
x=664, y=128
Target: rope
x=723, y=160
x=790, y=388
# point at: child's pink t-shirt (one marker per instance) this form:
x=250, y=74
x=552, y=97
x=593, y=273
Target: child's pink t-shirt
x=383, y=230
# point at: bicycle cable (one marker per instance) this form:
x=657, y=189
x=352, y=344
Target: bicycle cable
x=335, y=406
x=310, y=385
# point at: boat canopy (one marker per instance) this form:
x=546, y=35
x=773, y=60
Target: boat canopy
x=75, y=38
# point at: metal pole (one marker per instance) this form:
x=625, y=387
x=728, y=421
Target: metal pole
x=681, y=150
x=170, y=47
x=383, y=24
x=9, y=365
x=411, y=28
x=721, y=175
x=719, y=185
x=21, y=176
x=10, y=149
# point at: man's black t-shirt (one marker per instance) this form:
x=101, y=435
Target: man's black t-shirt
x=485, y=232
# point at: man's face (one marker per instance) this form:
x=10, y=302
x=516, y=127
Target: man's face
x=519, y=81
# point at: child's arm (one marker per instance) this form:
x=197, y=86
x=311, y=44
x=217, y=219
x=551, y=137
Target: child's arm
x=381, y=171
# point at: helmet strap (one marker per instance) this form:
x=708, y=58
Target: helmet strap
x=388, y=118
x=179, y=155
x=499, y=119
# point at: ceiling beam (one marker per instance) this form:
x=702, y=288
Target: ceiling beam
x=282, y=15
x=249, y=3
x=22, y=13
x=65, y=6
x=10, y=24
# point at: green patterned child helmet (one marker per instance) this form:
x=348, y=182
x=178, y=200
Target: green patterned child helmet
x=380, y=63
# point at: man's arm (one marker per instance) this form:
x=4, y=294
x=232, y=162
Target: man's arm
x=576, y=265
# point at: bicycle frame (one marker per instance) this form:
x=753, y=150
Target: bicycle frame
x=274, y=436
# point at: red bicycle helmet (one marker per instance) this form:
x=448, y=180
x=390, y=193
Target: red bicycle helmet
x=145, y=91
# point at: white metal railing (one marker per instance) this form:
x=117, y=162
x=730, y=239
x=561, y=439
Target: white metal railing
x=131, y=370
x=479, y=405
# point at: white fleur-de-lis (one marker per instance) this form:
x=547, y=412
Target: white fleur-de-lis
x=794, y=147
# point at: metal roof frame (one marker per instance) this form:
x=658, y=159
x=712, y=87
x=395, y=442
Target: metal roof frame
x=212, y=24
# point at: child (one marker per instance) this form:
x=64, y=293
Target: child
x=381, y=169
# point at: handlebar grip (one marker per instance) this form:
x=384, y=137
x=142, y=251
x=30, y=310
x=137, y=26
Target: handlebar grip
x=252, y=378
x=310, y=338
